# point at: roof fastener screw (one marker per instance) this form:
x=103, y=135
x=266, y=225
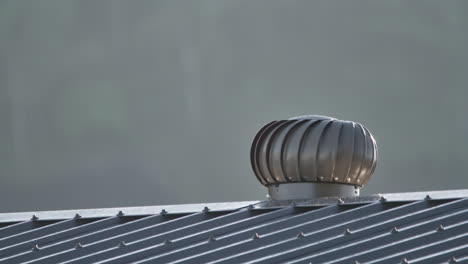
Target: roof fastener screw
x=321, y=178
x=36, y=248
x=250, y=207
x=78, y=246
x=163, y=212
x=382, y=199
x=206, y=209
x=347, y=232
x=77, y=216
x=34, y=218
x=300, y=235
x=120, y=213
x=167, y=242
x=348, y=179
x=122, y=244
x=427, y=198
x=256, y=236
x=440, y=228
x=453, y=260
x=405, y=261
x=394, y=230
x=211, y=239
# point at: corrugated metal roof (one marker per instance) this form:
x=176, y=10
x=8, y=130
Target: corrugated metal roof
x=359, y=231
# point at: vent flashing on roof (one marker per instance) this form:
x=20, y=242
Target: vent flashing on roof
x=310, y=157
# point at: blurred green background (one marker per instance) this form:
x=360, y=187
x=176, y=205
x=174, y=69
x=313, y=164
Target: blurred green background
x=127, y=103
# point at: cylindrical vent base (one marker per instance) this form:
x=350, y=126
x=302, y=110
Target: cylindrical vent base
x=309, y=190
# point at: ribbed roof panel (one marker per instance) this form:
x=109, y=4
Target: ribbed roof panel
x=420, y=231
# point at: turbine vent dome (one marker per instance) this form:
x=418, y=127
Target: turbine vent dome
x=328, y=153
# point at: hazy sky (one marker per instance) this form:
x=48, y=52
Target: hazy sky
x=127, y=103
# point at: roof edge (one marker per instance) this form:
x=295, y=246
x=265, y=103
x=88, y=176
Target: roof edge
x=225, y=206
x=129, y=211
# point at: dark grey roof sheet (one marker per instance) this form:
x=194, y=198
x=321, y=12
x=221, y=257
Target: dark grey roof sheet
x=389, y=230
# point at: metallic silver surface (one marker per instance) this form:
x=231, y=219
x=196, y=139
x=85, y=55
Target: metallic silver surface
x=311, y=190
x=192, y=208
x=136, y=210
x=313, y=149
x=372, y=230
